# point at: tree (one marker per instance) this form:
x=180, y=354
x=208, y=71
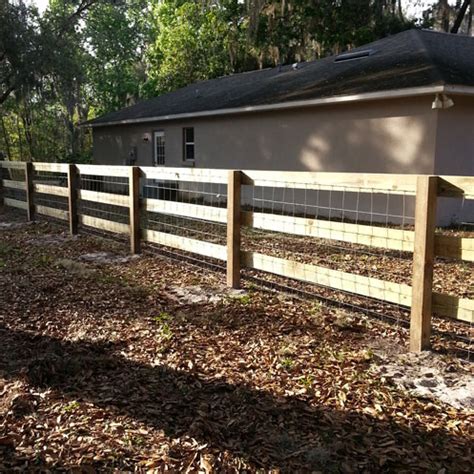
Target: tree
x=117, y=37
x=192, y=43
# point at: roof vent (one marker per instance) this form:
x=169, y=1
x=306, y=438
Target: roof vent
x=354, y=55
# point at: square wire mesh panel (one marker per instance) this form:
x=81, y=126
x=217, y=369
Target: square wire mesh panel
x=453, y=276
x=347, y=245
x=100, y=203
x=46, y=183
x=13, y=184
x=186, y=209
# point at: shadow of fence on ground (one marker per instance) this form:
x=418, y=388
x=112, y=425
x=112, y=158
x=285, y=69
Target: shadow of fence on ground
x=286, y=433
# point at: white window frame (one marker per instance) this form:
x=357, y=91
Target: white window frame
x=159, y=134
x=186, y=143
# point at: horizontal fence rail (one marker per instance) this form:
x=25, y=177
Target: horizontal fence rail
x=146, y=202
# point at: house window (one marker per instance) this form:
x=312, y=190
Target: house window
x=188, y=140
x=159, y=148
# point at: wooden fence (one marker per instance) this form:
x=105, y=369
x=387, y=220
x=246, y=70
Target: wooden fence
x=423, y=241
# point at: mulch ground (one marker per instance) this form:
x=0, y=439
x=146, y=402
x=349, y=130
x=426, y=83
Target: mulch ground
x=102, y=369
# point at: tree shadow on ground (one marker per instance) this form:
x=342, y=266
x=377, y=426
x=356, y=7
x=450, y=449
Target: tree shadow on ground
x=285, y=433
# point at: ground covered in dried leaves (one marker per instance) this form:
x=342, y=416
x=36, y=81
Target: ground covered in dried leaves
x=119, y=364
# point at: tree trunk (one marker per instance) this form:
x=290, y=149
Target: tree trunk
x=7, y=142
x=460, y=17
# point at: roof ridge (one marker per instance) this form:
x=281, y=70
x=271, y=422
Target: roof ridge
x=443, y=33
x=429, y=54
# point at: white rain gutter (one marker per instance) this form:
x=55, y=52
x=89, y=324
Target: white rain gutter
x=393, y=94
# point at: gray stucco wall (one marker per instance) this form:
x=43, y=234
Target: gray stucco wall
x=455, y=154
x=384, y=136
x=394, y=136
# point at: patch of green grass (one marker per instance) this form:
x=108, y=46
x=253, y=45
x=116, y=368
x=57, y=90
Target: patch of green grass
x=72, y=406
x=316, y=308
x=110, y=279
x=287, y=363
x=2, y=263
x=252, y=286
x=42, y=261
x=307, y=381
x=244, y=299
x=137, y=440
x=166, y=332
x=6, y=249
x=161, y=318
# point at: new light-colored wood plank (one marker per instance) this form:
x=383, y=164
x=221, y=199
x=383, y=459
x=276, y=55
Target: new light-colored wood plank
x=196, y=175
x=13, y=164
x=461, y=248
x=233, y=229
x=104, y=170
x=393, y=239
x=367, y=182
x=52, y=212
x=207, y=249
x=104, y=224
x=335, y=279
x=423, y=260
x=16, y=203
x=51, y=189
x=196, y=211
x=104, y=198
x=456, y=186
x=12, y=184
x=51, y=167
x=453, y=307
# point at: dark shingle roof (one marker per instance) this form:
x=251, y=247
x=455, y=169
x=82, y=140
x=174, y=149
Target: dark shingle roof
x=413, y=58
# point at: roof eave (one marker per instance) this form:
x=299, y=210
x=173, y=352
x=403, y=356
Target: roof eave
x=390, y=94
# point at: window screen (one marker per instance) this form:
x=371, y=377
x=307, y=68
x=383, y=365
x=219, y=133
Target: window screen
x=188, y=139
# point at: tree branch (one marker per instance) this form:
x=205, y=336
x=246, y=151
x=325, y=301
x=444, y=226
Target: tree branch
x=460, y=17
x=7, y=93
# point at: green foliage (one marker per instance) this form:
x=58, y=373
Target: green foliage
x=287, y=363
x=243, y=299
x=191, y=45
x=307, y=381
x=162, y=318
x=165, y=330
x=83, y=59
x=72, y=406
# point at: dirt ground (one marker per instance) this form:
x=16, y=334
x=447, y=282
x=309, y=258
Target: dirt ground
x=110, y=363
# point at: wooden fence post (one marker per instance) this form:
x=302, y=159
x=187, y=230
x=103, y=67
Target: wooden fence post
x=73, y=186
x=134, y=206
x=423, y=260
x=233, y=228
x=29, y=191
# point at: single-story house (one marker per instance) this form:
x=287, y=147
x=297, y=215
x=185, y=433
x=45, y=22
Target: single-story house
x=402, y=104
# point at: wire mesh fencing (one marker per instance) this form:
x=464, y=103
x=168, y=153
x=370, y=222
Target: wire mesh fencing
x=454, y=276
x=51, y=192
x=344, y=245
x=104, y=198
x=12, y=180
x=183, y=215
x=348, y=240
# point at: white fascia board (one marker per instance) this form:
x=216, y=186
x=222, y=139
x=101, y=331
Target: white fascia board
x=391, y=94
x=459, y=90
